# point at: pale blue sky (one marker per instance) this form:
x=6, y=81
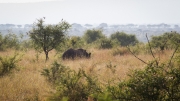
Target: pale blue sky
x=91, y=11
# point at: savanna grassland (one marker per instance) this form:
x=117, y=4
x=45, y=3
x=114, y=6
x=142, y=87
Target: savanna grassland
x=25, y=83
x=120, y=68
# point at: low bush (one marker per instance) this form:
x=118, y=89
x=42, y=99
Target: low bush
x=92, y=35
x=9, y=41
x=156, y=82
x=8, y=63
x=124, y=39
x=76, y=86
x=106, y=43
x=168, y=40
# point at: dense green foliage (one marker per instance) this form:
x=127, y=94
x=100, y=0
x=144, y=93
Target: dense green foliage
x=124, y=39
x=48, y=37
x=76, y=42
x=106, y=43
x=157, y=82
x=9, y=41
x=165, y=41
x=92, y=35
x=8, y=63
x=76, y=86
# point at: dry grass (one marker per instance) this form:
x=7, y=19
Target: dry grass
x=26, y=83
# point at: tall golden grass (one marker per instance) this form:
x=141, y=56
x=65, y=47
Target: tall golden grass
x=27, y=83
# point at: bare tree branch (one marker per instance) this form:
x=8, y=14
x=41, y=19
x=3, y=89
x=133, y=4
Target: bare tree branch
x=136, y=56
x=151, y=50
x=173, y=55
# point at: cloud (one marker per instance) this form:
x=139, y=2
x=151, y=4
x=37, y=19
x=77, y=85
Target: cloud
x=25, y=1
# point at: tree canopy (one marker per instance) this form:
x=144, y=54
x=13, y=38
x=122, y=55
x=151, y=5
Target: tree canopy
x=92, y=35
x=47, y=37
x=125, y=39
x=166, y=40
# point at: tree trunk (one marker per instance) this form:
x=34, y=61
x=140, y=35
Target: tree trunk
x=46, y=56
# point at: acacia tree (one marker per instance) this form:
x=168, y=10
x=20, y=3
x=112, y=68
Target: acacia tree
x=48, y=37
x=167, y=40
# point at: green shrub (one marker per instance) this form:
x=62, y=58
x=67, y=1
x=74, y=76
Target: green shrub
x=168, y=40
x=105, y=97
x=156, y=82
x=76, y=86
x=92, y=35
x=106, y=43
x=8, y=63
x=76, y=42
x=124, y=39
x=9, y=41
x=25, y=45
